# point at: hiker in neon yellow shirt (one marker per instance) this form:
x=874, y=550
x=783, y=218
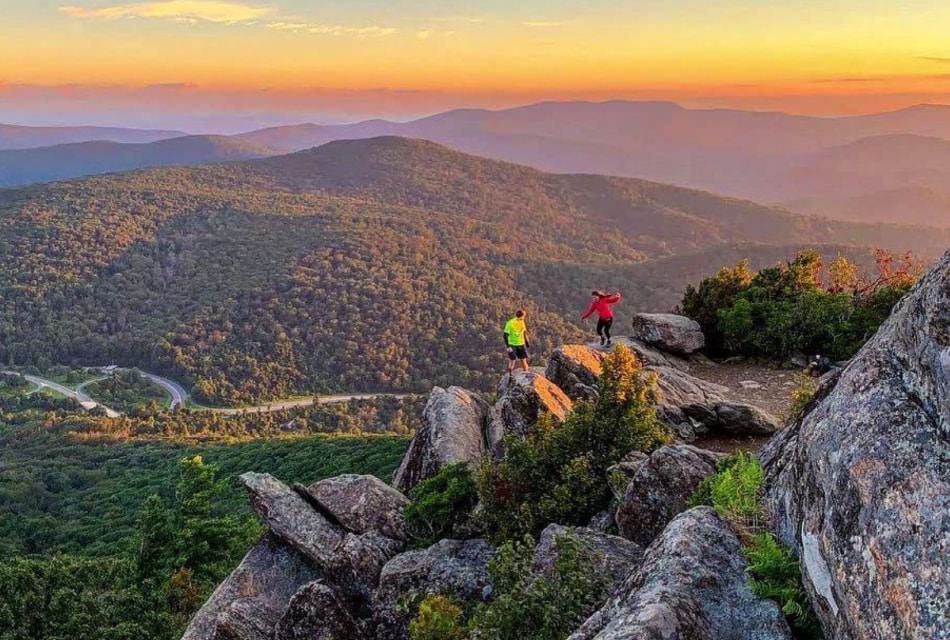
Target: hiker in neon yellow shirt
x=516, y=341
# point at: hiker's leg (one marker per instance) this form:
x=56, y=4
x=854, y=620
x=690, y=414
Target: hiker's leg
x=600, y=331
x=607, y=324
x=524, y=364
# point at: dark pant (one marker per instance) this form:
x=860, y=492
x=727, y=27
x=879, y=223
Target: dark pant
x=603, y=327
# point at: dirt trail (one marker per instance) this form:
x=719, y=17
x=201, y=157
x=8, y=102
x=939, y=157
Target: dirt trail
x=763, y=386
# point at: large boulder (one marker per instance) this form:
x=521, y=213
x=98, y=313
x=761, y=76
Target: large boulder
x=522, y=398
x=659, y=487
x=317, y=612
x=346, y=560
x=458, y=568
x=669, y=332
x=859, y=485
x=575, y=368
x=611, y=557
x=692, y=585
x=362, y=503
x=452, y=431
x=251, y=601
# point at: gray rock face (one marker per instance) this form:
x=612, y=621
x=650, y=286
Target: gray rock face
x=659, y=488
x=521, y=400
x=860, y=484
x=452, y=431
x=362, y=503
x=456, y=567
x=692, y=406
x=611, y=556
x=250, y=602
x=294, y=520
x=669, y=332
x=316, y=612
x=349, y=561
x=650, y=356
x=691, y=585
x=575, y=368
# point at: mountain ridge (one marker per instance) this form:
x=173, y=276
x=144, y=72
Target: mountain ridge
x=372, y=265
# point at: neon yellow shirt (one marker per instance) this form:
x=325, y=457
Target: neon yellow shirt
x=515, y=330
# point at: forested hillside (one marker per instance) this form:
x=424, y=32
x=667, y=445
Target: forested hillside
x=362, y=265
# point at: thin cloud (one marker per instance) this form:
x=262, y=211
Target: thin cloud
x=847, y=80
x=332, y=29
x=542, y=24
x=339, y=30
x=937, y=59
x=180, y=10
x=469, y=19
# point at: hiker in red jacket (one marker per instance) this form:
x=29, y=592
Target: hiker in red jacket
x=605, y=315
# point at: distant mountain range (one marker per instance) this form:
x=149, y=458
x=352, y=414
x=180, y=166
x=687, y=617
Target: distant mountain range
x=881, y=167
x=385, y=263
x=59, y=162
x=20, y=137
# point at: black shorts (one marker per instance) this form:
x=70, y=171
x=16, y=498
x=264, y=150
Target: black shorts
x=518, y=353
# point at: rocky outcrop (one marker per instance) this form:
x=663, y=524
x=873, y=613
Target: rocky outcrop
x=659, y=487
x=693, y=406
x=348, y=561
x=522, y=399
x=610, y=557
x=362, y=503
x=691, y=585
x=575, y=368
x=450, y=567
x=251, y=601
x=859, y=485
x=316, y=611
x=451, y=431
x=669, y=332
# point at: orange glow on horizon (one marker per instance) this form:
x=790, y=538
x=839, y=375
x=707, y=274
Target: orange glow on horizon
x=856, y=56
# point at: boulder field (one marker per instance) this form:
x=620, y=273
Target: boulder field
x=857, y=486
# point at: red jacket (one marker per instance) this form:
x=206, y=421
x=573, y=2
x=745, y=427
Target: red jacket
x=602, y=307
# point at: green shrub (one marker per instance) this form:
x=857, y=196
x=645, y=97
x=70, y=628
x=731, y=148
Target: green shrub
x=703, y=304
x=788, y=309
x=439, y=618
x=774, y=573
x=734, y=491
x=558, y=473
x=441, y=505
x=805, y=389
x=526, y=606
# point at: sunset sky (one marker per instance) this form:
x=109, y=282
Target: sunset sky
x=207, y=64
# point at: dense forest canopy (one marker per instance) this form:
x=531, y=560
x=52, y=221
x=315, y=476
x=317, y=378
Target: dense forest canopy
x=382, y=264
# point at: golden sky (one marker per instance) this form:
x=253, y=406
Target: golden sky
x=411, y=57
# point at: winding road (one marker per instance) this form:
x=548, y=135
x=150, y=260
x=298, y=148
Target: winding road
x=76, y=394
x=179, y=396
x=175, y=390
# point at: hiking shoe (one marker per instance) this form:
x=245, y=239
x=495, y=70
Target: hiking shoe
x=602, y=339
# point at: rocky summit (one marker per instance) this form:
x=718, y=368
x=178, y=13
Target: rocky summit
x=857, y=486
